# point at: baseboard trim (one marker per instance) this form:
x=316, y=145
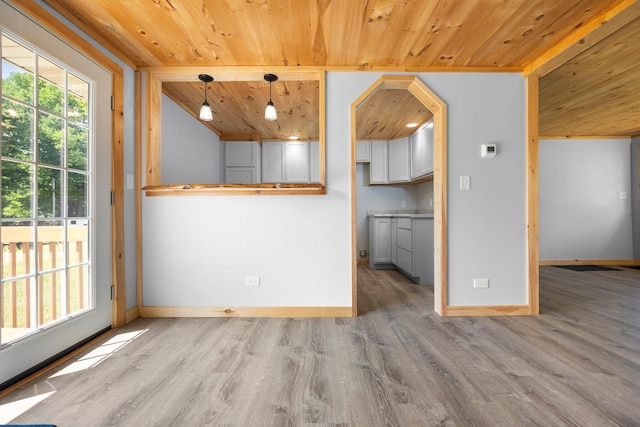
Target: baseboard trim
x=589, y=262
x=245, y=312
x=493, y=310
x=132, y=315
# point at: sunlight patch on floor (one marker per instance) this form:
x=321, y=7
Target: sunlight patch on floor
x=94, y=357
x=12, y=410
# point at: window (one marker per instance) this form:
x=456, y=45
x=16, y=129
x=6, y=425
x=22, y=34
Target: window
x=45, y=191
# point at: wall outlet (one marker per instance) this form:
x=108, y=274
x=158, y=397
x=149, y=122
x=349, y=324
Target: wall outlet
x=622, y=195
x=403, y=204
x=480, y=283
x=252, y=281
x=430, y=203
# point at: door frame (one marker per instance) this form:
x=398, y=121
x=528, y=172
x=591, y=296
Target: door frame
x=52, y=24
x=439, y=109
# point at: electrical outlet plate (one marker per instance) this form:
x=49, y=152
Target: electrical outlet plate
x=252, y=281
x=480, y=283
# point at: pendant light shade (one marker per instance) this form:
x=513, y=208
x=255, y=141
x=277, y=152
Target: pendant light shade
x=270, y=113
x=206, y=114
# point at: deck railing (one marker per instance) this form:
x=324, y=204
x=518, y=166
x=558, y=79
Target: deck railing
x=20, y=307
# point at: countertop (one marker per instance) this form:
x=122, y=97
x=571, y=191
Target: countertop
x=402, y=213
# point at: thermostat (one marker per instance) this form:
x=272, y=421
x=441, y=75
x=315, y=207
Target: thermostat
x=488, y=150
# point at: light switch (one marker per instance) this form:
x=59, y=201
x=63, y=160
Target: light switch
x=622, y=195
x=129, y=181
x=465, y=182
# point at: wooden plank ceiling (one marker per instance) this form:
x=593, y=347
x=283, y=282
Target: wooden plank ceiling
x=592, y=94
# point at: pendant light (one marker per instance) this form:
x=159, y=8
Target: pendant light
x=270, y=113
x=206, y=114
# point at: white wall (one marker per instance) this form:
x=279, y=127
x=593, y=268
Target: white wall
x=191, y=152
x=635, y=196
x=581, y=213
x=424, y=195
x=300, y=245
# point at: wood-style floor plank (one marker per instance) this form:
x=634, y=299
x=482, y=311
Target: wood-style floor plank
x=397, y=364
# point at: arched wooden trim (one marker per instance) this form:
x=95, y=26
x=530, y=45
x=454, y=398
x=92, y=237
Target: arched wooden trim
x=439, y=109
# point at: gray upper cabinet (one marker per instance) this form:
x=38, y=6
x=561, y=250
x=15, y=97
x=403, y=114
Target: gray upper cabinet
x=399, y=160
x=314, y=161
x=241, y=162
x=296, y=162
x=421, y=143
x=363, y=151
x=273, y=162
x=379, y=167
x=290, y=162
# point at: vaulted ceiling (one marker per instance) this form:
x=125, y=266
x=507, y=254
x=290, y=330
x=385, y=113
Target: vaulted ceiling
x=586, y=51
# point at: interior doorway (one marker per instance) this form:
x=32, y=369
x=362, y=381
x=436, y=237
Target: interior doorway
x=437, y=107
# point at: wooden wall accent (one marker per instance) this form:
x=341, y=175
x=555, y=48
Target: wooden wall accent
x=245, y=312
x=532, y=191
x=165, y=76
x=438, y=109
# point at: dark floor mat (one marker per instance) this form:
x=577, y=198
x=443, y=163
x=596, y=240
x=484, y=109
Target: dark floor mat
x=635, y=267
x=587, y=268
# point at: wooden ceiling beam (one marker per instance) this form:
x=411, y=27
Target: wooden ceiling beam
x=600, y=27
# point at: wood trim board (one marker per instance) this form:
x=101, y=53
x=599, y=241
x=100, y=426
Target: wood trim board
x=245, y=312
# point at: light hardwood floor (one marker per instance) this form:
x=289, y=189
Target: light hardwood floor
x=397, y=364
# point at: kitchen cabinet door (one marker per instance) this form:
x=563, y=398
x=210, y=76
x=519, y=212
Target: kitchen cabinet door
x=363, y=151
x=394, y=240
x=399, y=160
x=380, y=240
x=379, y=167
x=241, y=153
x=296, y=163
x=241, y=175
x=422, y=152
x=273, y=162
x=314, y=161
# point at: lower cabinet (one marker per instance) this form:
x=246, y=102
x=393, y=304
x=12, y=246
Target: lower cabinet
x=380, y=243
x=403, y=243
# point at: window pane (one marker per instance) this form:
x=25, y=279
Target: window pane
x=50, y=245
x=17, y=184
x=51, y=80
x=18, y=258
x=50, y=139
x=78, y=141
x=17, y=71
x=51, y=297
x=78, y=100
x=77, y=195
x=17, y=130
x=78, y=293
x=78, y=241
x=50, y=203
x=17, y=297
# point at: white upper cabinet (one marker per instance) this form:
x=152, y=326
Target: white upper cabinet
x=421, y=143
x=290, y=162
x=241, y=153
x=399, y=160
x=314, y=161
x=241, y=162
x=363, y=151
x=296, y=162
x=273, y=162
x=379, y=168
